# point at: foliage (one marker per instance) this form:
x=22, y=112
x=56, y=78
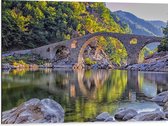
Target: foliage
x=164, y=44
x=133, y=41
x=30, y=24
x=8, y=59
x=20, y=64
x=114, y=49
x=89, y=61
x=145, y=52
x=27, y=58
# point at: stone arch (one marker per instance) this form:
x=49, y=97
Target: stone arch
x=135, y=49
x=87, y=42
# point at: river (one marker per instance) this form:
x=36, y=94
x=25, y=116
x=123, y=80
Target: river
x=84, y=94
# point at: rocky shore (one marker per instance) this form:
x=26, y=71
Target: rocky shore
x=157, y=62
x=127, y=114
x=49, y=111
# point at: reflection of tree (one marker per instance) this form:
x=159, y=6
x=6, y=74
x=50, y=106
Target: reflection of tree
x=114, y=88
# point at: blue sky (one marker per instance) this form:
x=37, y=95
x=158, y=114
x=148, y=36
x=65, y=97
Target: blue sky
x=145, y=11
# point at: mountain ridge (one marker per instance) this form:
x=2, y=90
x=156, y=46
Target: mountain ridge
x=138, y=25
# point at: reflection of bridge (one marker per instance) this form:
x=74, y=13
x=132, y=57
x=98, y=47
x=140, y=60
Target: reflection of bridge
x=77, y=46
x=110, y=85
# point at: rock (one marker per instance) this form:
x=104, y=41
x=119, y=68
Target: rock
x=150, y=116
x=6, y=66
x=103, y=116
x=41, y=66
x=46, y=65
x=95, y=66
x=158, y=62
x=109, y=119
x=35, y=111
x=165, y=107
x=161, y=98
x=110, y=66
x=166, y=114
x=125, y=114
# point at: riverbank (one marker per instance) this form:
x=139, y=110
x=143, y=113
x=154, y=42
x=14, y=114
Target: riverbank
x=157, y=62
x=25, y=59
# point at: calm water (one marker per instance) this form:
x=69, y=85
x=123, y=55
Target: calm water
x=84, y=94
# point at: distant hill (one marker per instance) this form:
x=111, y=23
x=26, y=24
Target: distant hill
x=137, y=25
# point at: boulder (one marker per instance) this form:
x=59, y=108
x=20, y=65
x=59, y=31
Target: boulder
x=110, y=66
x=109, y=119
x=166, y=114
x=35, y=111
x=6, y=66
x=125, y=114
x=95, y=66
x=165, y=107
x=150, y=116
x=103, y=116
x=161, y=98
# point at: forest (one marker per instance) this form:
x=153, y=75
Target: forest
x=33, y=24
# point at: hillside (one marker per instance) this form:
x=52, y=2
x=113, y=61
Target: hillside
x=30, y=24
x=139, y=26
x=158, y=24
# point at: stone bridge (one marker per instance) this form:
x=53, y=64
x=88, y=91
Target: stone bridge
x=77, y=46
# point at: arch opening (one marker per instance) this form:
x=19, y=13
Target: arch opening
x=61, y=52
x=100, y=50
x=147, y=52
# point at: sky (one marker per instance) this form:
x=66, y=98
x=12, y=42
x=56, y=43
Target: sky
x=144, y=11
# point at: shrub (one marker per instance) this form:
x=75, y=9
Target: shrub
x=88, y=61
x=20, y=64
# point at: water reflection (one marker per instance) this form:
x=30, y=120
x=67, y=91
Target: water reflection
x=83, y=94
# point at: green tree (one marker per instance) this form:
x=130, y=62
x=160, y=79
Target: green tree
x=164, y=44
